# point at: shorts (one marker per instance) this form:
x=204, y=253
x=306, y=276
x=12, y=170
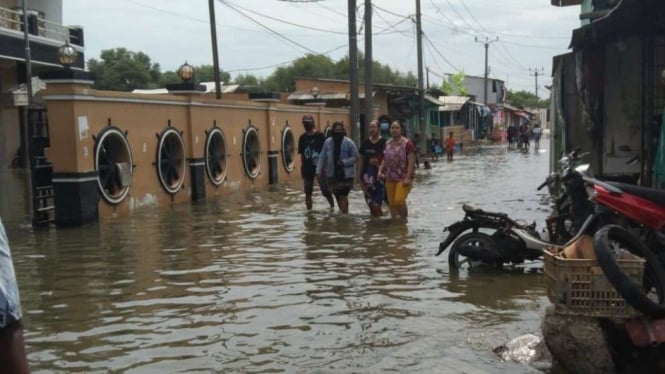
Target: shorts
x=375, y=194
x=397, y=193
x=340, y=187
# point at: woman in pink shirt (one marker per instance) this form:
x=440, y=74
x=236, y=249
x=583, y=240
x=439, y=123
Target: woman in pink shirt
x=397, y=168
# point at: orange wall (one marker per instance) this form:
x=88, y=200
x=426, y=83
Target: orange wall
x=144, y=116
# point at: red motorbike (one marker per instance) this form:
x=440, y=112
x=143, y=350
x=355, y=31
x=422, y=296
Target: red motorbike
x=631, y=218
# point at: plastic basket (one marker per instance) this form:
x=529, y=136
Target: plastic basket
x=579, y=287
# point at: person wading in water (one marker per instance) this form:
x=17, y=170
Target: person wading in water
x=337, y=163
x=309, y=147
x=397, y=169
x=371, y=155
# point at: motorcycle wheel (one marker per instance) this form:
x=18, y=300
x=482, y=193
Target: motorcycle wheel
x=479, y=240
x=648, y=298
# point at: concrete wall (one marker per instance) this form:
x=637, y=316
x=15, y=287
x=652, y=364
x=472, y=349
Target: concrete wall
x=145, y=116
x=623, y=106
x=474, y=87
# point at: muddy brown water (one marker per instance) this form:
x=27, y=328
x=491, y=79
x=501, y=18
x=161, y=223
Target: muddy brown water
x=254, y=283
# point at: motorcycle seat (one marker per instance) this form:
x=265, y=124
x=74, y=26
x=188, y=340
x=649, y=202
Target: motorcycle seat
x=477, y=211
x=652, y=194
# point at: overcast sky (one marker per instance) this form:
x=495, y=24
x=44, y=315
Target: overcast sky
x=530, y=32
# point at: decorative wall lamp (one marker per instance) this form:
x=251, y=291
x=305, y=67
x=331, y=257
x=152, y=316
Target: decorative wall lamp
x=315, y=91
x=67, y=55
x=186, y=72
x=188, y=86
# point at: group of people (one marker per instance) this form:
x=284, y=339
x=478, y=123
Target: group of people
x=519, y=136
x=383, y=168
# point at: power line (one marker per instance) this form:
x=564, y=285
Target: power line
x=285, y=62
x=268, y=28
x=440, y=54
x=284, y=21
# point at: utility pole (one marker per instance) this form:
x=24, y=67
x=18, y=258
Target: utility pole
x=427, y=76
x=353, y=72
x=487, y=43
x=215, y=57
x=421, y=90
x=536, y=72
x=369, y=100
x=27, y=162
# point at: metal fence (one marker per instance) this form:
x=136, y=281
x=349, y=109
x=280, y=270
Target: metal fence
x=37, y=25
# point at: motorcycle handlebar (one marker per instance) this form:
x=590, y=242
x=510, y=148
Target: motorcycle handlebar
x=542, y=185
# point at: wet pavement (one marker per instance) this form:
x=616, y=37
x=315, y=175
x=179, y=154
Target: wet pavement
x=254, y=283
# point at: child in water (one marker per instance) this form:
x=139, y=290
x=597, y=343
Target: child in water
x=375, y=189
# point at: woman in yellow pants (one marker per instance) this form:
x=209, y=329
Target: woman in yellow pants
x=397, y=169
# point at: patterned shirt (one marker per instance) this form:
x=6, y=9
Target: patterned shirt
x=395, y=159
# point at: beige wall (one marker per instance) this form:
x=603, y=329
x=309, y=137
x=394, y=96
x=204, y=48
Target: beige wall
x=144, y=116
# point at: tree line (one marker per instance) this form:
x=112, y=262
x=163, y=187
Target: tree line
x=119, y=69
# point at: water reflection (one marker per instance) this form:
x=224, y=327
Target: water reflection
x=253, y=283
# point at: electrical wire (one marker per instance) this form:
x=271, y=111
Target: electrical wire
x=268, y=28
x=440, y=54
x=285, y=62
x=282, y=20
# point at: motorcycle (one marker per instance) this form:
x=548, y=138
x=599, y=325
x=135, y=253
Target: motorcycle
x=568, y=192
x=494, y=239
x=622, y=217
x=640, y=212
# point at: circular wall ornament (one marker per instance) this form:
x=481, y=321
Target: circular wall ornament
x=114, y=164
x=215, y=161
x=288, y=149
x=171, y=160
x=251, y=152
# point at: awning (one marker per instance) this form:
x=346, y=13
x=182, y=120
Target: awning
x=452, y=103
x=522, y=114
x=433, y=100
x=482, y=109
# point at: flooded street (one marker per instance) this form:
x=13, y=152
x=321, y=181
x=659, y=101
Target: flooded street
x=254, y=283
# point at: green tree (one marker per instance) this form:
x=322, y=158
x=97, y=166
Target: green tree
x=122, y=70
x=247, y=80
x=525, y=99
x=205, y=73
x=455, y=86
x=310, y=66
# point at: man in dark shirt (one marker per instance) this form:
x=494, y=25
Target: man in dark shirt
x=309, y=148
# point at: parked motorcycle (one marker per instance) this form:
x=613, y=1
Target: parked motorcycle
x=494, y=239
x=571, y=204
x=640, y=211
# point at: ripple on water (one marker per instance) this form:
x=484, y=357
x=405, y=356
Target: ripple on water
x=255, y=283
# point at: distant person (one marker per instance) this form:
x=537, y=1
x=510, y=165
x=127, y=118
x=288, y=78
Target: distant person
x=309, y=148
x=537, y=132
x=398, y=170
x=337, y=163
x=13, y=358
x=450, y=146
x=371, y=155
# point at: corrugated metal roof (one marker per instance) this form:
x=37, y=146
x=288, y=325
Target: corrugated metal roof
x=452, y=103
x=307, y=96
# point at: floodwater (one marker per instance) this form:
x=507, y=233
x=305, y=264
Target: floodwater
x=254, y=283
